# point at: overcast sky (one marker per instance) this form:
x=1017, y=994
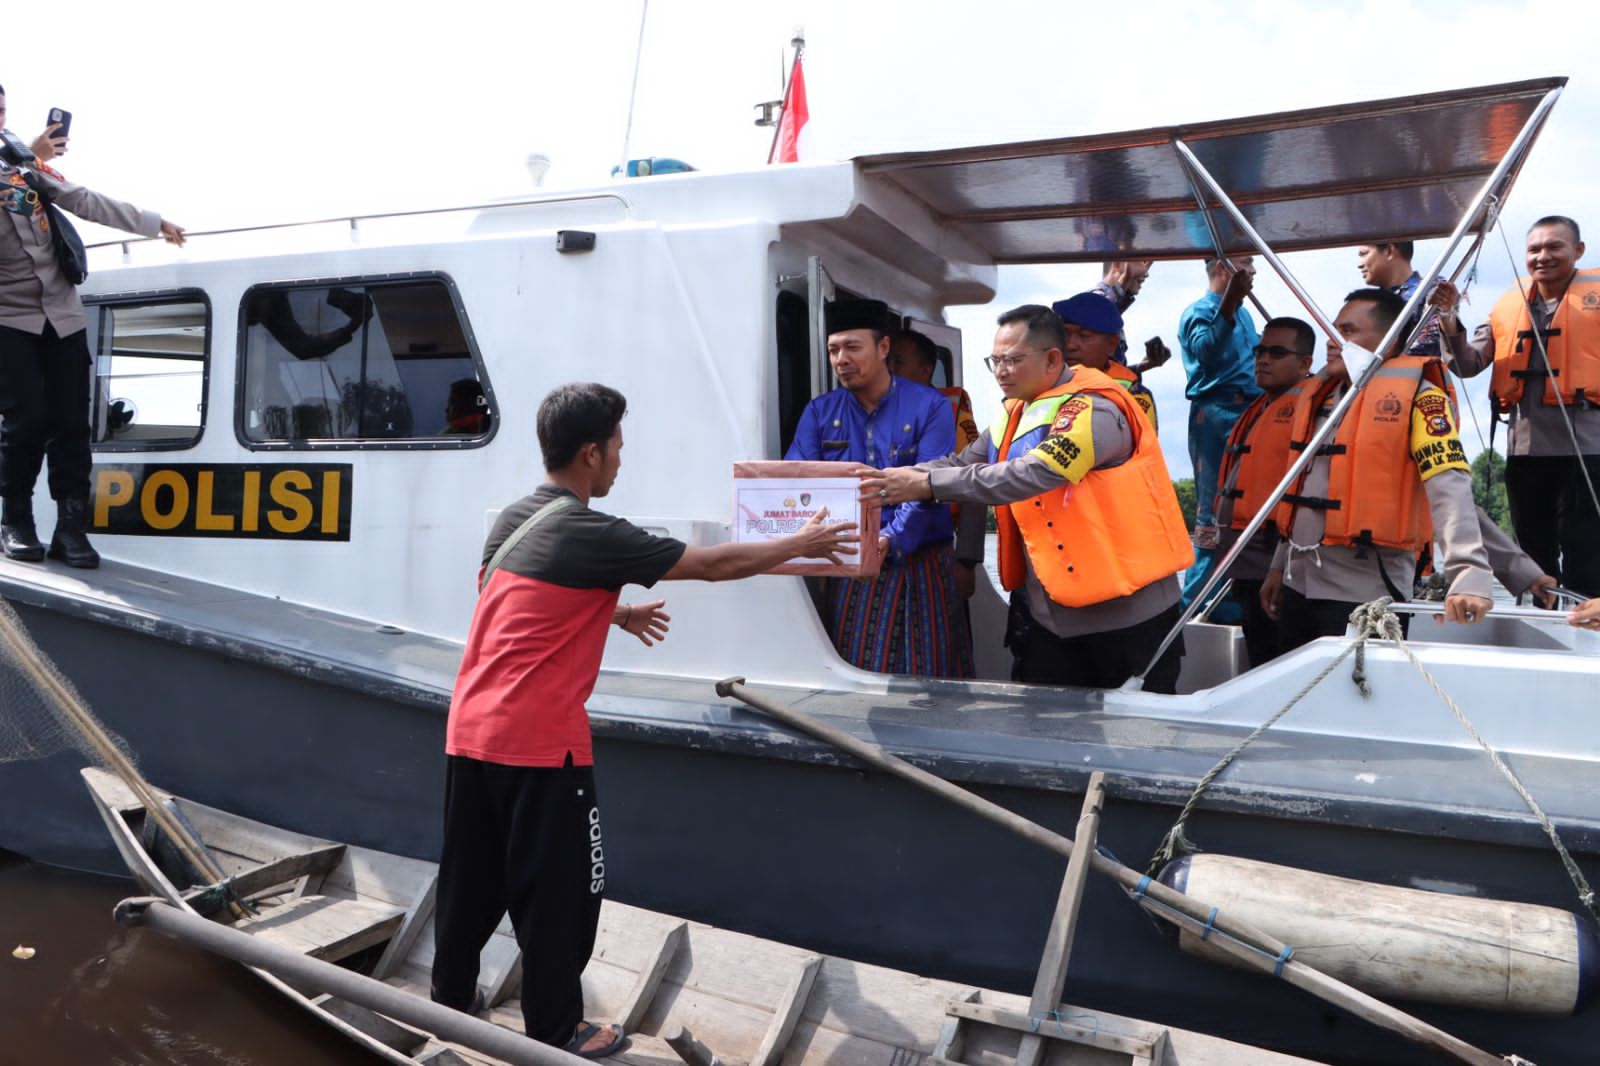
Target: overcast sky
x=219, y=114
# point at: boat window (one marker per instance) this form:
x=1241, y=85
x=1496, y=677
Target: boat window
x=362, y=363
x=794, y=363
x=149, y=371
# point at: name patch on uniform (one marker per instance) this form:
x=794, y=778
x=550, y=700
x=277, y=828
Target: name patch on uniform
x=1440, y=455
x=292, y=501
x=1059, y=453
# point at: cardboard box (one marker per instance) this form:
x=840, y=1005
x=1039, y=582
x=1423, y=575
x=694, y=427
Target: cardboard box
x=774, y=498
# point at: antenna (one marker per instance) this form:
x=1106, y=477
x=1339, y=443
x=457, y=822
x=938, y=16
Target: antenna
x=633, y=90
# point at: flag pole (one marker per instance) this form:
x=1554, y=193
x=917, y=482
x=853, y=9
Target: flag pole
x=798, y=42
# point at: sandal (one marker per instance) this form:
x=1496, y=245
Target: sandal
x=586, y=1031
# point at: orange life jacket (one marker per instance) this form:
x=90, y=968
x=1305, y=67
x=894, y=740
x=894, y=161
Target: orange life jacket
x=966, y=430
x=1136, y=388
x=1258, y=448
x=1109, y=535
x=961, y=407
x=1572, y=343
x=1375, y=495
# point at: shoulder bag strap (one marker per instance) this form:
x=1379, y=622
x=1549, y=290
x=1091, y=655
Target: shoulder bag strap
x=560, y=503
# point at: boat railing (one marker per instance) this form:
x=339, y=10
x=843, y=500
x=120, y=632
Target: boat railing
x=1529, y=614
x=354, y=221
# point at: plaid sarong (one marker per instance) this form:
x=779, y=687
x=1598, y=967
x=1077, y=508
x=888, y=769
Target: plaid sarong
x=908, y=620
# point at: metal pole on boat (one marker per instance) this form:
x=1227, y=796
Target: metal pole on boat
x=798, y=43
x=303, y=971
x=1245, y=943
x=1492, y=190
x=1216, y=237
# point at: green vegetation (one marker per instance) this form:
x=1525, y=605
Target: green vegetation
x=1185, y=491
x=1489, y=487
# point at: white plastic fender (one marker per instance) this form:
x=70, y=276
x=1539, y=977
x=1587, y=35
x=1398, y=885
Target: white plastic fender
x=1404, y=942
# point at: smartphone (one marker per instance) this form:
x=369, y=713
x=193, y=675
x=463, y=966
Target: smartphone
x=57, y=115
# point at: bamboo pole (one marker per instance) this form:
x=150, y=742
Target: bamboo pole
x=1249, y=945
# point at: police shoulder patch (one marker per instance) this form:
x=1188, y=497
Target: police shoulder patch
x=1068, y=413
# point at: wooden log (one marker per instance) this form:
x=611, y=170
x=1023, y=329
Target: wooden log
x=1403, y=942
x=1176, y=904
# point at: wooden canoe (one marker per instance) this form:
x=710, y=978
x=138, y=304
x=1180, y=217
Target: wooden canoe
x=748, y=1000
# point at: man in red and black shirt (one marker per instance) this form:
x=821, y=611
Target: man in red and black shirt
x=522, y=826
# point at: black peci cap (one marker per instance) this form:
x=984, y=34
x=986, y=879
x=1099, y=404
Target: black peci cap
x=841, y=315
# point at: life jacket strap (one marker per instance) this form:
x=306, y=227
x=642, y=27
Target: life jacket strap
x=1320, y=503
x=1363, y=545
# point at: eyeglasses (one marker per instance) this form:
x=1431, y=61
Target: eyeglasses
x=995, y=362
x=1277, y=351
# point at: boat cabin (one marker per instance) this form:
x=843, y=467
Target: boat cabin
x=331, y=414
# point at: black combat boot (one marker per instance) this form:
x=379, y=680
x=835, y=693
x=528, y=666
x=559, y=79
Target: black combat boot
x=70, y=544
x=18, y=537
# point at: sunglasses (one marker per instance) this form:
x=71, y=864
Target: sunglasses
x=1277, y=351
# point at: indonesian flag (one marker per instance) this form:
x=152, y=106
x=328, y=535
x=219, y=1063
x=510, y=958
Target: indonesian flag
x=786, y=149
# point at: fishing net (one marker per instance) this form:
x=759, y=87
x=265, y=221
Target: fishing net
x=41, y=714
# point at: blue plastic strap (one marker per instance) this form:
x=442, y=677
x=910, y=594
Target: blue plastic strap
x=1283, y=957
x=1211, y=925
x=1144, y=883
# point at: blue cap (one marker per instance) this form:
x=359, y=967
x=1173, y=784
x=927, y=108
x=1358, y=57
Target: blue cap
x=1090, y=310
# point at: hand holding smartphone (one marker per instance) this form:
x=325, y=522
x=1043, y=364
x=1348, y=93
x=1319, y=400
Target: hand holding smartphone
x=53, y=141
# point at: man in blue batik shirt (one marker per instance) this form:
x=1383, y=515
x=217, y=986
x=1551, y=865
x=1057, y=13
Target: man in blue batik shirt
x=1218, y=338
x=1120, y=282
x=1388, y=266
x=907, y=620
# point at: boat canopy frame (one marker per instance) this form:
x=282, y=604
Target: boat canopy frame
x=1480, y=216
x=1289, y=181
x=1302, y=179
